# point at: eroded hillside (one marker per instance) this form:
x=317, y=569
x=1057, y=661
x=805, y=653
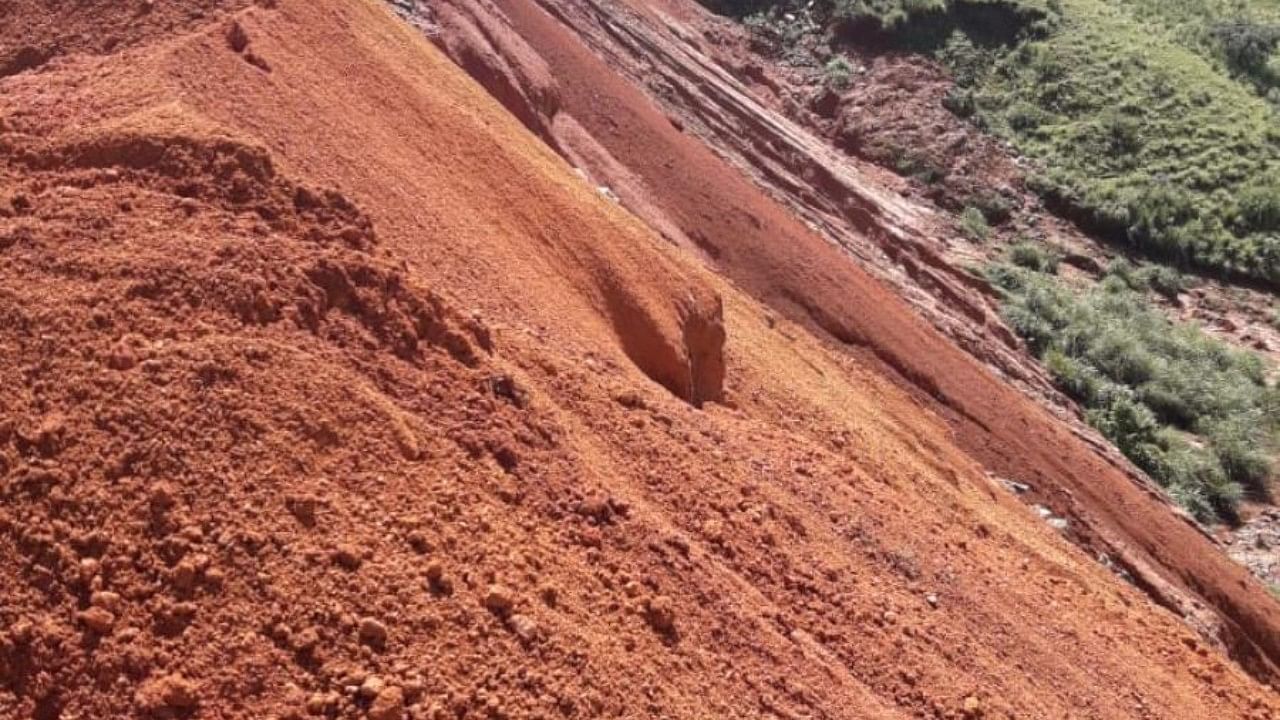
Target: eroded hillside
x=331, y=390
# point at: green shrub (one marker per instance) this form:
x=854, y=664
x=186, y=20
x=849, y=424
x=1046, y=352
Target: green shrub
x=838, y=73
x=1140, y=377
x=995, y=208
x=1164, y=280
x=1032, y=256
x=1247, y=45
x=1260, y=206
x=974, y=224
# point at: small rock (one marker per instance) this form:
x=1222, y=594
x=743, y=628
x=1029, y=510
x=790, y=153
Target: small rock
x=499, y=600
x=373, y=633
x=303, y=508
x=237, y=38
x=307, y=640
x=418, y=541
x=660, y=613
x=184, y=575
x=524, y=627
x=168, y=692
x=932, y=599
x=388, y=705
x=105, y=599
x=346, y=557
x=99, y=620
x=371, y=687
x=316, y=703
x=436, y=578
x=597, y=509
x=163, y=498
x=972, y=707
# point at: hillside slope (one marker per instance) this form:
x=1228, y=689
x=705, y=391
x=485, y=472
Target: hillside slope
x=633, y=94
x=331, y=391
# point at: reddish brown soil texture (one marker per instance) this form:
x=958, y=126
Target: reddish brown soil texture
x=554, y=50
x=329, y=391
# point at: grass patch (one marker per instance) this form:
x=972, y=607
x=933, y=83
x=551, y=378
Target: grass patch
x=1033, y=256
x=1197, y=416
x=1148, y=136
x=974, y=224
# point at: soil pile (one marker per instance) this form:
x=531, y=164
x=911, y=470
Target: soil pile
x=330, y=391
x=655, y=100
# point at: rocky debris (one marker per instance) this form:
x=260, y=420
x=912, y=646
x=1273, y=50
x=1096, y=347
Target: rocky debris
x=347, y=557
x=1256, y=544
x=99, y=620
x=498, y=600
x=1060, y=524
x=169, y=692
x=524, y=627
x=388, y=704
x=660, y=613
x=1013, y=486
x=372, y=633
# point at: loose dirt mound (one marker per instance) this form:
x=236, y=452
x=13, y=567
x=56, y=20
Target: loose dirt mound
x=644, y=88
x=330, y=392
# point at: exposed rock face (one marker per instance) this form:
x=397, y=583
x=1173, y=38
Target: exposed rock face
x=654, y=101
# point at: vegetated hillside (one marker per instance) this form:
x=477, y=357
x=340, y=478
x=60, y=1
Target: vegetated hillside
x=330, y=392
x=1144, y=123
x=1144, y=379
x=1146, y=118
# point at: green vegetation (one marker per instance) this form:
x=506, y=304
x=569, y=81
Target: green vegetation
x=1197, y=416
x=1150, y=118
x=1147, y=134
x=1155, y=125
x=839, y=72
x=974, y=224
x=1032, y=256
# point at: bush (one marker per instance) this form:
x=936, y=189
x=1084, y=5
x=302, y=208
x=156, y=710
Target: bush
x=884, y=14
x=995, y=208
x=1260, y=206
x=1247, y=45
x=1031, y=256
x=974, y=224
x=838, y=73
x=1148, y=383
x=1163, y=280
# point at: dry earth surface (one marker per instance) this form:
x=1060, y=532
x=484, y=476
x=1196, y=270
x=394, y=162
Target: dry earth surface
x=331, y=390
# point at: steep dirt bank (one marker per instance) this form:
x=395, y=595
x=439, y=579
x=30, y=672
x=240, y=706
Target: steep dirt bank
x=333, y=393
x=630, y=96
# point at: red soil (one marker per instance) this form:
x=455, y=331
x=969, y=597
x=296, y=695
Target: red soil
x=671, y=176
x=331, y=391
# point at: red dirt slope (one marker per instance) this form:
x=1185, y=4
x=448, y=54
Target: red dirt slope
x=630, y=83
x=331, y=392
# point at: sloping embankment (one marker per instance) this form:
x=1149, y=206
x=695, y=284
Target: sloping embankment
x=635, y=96
x=331, y=392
